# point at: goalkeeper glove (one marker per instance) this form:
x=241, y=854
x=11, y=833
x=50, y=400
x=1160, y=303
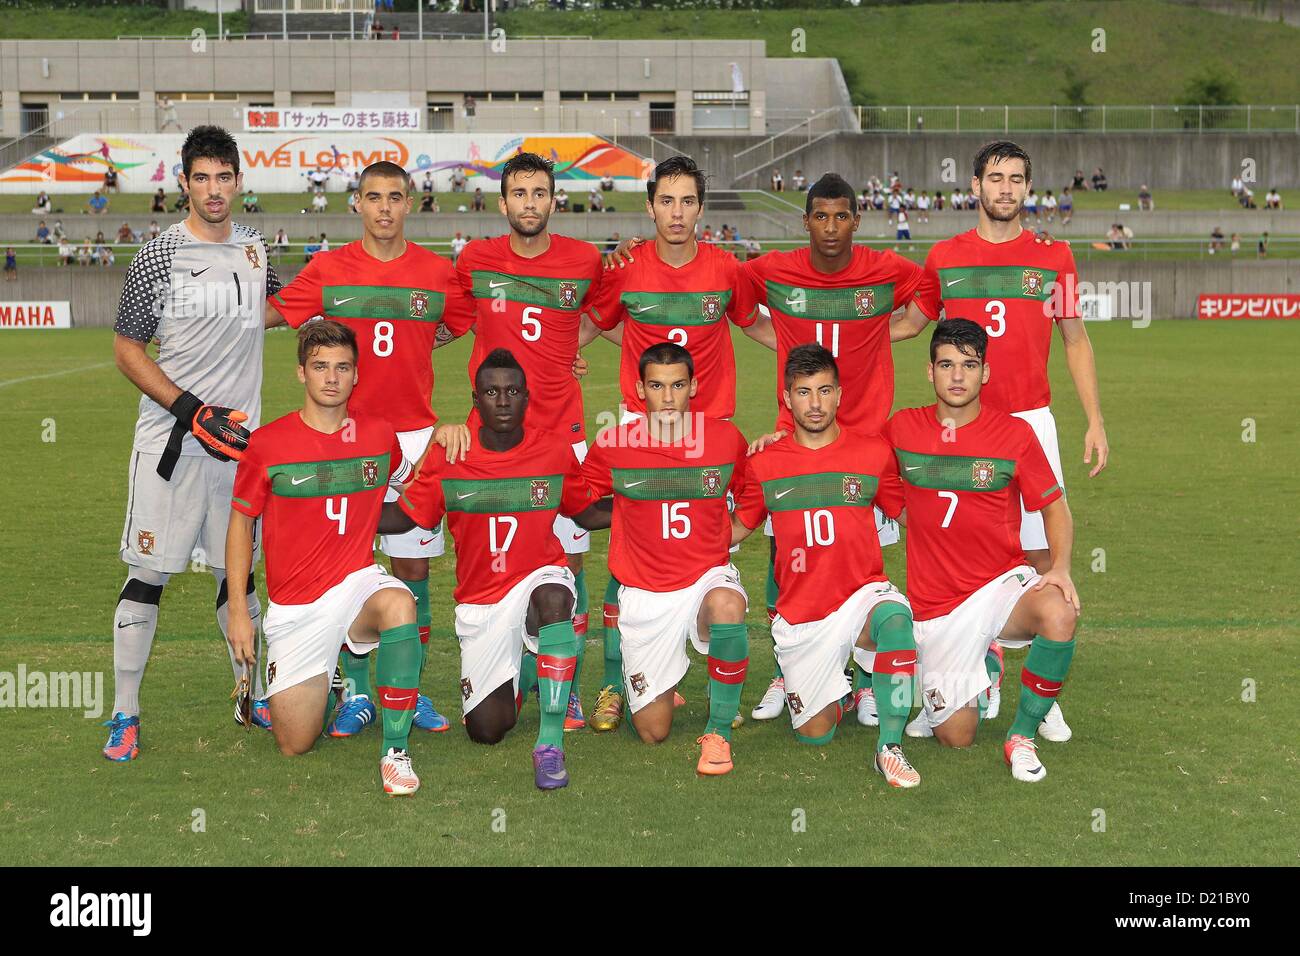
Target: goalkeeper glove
x=218, y=430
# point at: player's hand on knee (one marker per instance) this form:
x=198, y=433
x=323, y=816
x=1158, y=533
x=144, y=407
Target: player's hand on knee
x=1060, y=579
x=761, y=442
x=218, y=429
x=454, y=440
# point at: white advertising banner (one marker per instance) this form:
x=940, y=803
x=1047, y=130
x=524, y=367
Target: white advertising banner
x=35, y=315
x=330, y=119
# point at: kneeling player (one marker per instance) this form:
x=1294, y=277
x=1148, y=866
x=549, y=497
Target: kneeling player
x=669, y=474
x=514, y=589
x=317, y=477
x=819, y=485
x=965, y=470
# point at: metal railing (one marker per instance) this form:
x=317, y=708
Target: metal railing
x=1078, y=119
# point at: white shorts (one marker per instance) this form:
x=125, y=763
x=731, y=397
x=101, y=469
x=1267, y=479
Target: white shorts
x=573, y=539
x=950, y=649
x=170, y=524
x=493, y=636
x=418, y=542
x=654, y=627
x=812, y=655
x=1033, y=537
x=886, y=528
x=304, y=640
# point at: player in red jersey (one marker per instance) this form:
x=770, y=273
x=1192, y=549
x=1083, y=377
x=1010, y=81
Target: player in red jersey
x=965, y=469
x=819, y=485
x=1017, y=288
x=316, y=477
x=682, y=291
x=841, y=296
x=530, y=287
x=402, y=301
x=513, y=586
x=669, y=474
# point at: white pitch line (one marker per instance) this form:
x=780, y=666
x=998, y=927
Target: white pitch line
x=70, y=371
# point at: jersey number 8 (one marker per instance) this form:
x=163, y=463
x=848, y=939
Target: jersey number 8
x=383, y=339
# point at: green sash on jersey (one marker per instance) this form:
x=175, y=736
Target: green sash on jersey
x=676, y=308
x=563, y=294
x=832, y=305
x=382, y=302
x=955, y=472
x=322, y=479
x=673, y=484
x=830, y=489
x=502, y=495
x=996, y=282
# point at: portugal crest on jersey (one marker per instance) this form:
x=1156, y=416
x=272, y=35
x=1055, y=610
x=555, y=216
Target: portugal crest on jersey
x=466, y=688
x=369, y=472
x=568, y=295
x=541, y=492
x=981, y=474
x=796, y=705
x=711, y=307
x=253, y=259
x=864, y=301
x=1031, y=282
x=711, y=479
x=419, y=305
x=638, y=684
x=852, y=488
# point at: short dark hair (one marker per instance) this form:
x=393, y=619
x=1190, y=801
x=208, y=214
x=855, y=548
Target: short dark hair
x=807, y=360
x=999, y=150
x=965, y=335
x=209, y=142
x=387, y=170
x=665, y=353
x=323, y=333
x=680, y=165
x=831, y=186
x=527, y=163
x=500, y=358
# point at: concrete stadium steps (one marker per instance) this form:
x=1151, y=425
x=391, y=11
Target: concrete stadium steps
x=407, y=23
x=724, y=200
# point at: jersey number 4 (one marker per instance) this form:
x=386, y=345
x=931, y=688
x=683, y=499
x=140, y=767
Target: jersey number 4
x=341, y=515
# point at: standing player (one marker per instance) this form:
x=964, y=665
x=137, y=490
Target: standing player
x=669, y=474
x=530, y=287
x=402, y=301
x=682, y=291
x=513, y=586
x=965, y=467
x=819, y=485
x=841, y=296
x=317, y=476
x=1017, y=288
x=198, y=289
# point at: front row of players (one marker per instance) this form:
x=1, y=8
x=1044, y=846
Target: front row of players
x=953, y=473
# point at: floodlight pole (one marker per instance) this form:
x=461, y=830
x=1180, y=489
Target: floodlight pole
x=486, y=5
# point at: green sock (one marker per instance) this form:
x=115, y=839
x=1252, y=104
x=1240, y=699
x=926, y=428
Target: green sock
x=1045, y=668
x=728, y=661
x=423, y=616
x=527, y=674
x=582, y=599
x=397, y=676
x=613, y=651
x=862, y=676
x=815, y=741
x=356, y=672
x=557, y=657
x=581, y=652
x=893, y=670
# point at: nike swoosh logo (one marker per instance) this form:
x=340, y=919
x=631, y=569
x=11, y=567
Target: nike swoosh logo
x=731, y=673
x=795, y=302
x=460, y=497
x=424, y=542
x=497, y=285
x=955, y=281
x=129, y=624
x=389, y=699
x=782, y=494
x=579, y=535
x=911, y=467
x=905, y=663
x=646, y=309
x=633, y=484
x=195, y=275
x=299, y=481
x=551, y=667
x=342, y=301
x=1041, y=688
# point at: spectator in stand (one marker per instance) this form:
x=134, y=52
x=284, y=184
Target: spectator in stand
x=607, y=183
x=1262, y=248
x=1030, y=208
x=1247, y=197
x=1272, y=199
x=124, y=233
x=1146, y=202
x=894, y=181
x=972, y=201
x=778, y=184
x=1067, y=206
x=904, y=229
x=923, y=207
x=1127, y=233
x=319, y=202
x=99, y=239
x=43, y=205
x=281, y=243
x=561, y=200
x=752, y=249
x=1099, y=183
x=168, y=109
x=354, y=181
x=376, y=29
x=324, y=243
x=864, y=201
x=877, y=200
x=1079, y=182
x=480, y=202
x=155, y=231
x=352, y=201
x=309, y=250
x=938, y=200
x=56, y=232
x=470, y=108
x=909, y=198
x=1234, y=246
x=459, y=181
x=1048, y=206
x=43, y=233
x=11, y=265
x=397, y=35
x=1114, y=236
x=895, y=205
x=251, y=202
x=98, y=204
x=428, y=203
x=159, y=201
x=595, y=202
x=107, y=257
x=84, y=252
x=66, y=252
x=799, y=181
x=458, y=244
x=1236, y=187
x=426, y=187
x=611, y=243
x=110, y=179
x=957, y=200
x=1216, y=240
x=707, y=235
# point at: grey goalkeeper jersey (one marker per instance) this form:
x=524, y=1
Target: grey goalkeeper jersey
x=205, y=302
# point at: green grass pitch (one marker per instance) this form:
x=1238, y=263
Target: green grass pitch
x=1197, y=600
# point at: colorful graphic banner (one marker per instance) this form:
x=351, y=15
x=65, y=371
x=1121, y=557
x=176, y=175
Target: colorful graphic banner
x=1229, y=306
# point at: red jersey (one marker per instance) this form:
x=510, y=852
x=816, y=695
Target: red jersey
x=820, y=500
x=847, y=312
x=394, y=308
x=533, y=308
x=671, y=522
x=963, y=497
x=500, y=509
x=319, y=497
x=688, y=305
x=1008, y=288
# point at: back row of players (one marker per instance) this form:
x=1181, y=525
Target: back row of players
x=990, y=534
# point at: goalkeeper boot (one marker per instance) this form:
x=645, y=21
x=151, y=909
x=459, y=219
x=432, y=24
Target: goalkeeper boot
x=352, y=717
x=573, y=717
x=426, y=718
x=123, y=738
x=395, y=769
x=773, y=702
x=715, y=755
x=548, y=768
x=261, y=714
x=609, y=710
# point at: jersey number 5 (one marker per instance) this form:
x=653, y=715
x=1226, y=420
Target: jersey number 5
x=341, y=516
x=532, y=324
